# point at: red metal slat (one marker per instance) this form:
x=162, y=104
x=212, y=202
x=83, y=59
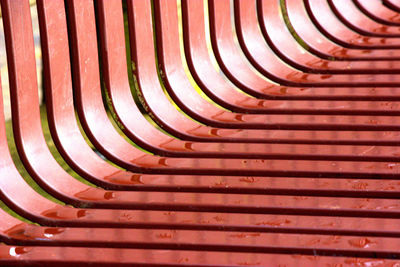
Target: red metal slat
x=334, y=29
x=322, y=46
x=354, y=19
x=286, y=47
x=327, y=204
x=265, y=61
x=392, y=4
x=377, y=11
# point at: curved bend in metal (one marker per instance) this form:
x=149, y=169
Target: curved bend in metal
x=110, y=143
x=222, y=92
x=392, y=4
x=71, y=190
x=44, y=211
x=118, y=84
x=330, y=25
x=288, y=49
x=379, y=12
x=32, y=147
x=266, y=216
x=260, y=55
x=182, y=92
x=322, y=46
x=350, y=15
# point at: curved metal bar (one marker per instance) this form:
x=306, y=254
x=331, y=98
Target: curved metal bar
x=379, y=12
x=120, y=93
x=322, y=46
x=330, y=25
x=355, y=20
x=260, y=55
x=111, y=144
x=342, y=204
x=288, y=49
x=392, y=4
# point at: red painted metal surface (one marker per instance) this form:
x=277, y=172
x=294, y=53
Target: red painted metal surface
x=321, y=45
x=184, y=95
x=266, y=62
x=124, y=154
x=287, y=48
x=392, y=4
x=379, y=12
x=78, y=194
x=227, y=95
x=353, y=18
x=67, y=256
x=307, y=182
x=328, y=23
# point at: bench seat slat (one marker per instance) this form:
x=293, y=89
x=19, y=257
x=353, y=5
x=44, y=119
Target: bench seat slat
x=65, y=256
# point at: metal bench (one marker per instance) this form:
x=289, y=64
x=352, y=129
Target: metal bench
x=298, y=171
